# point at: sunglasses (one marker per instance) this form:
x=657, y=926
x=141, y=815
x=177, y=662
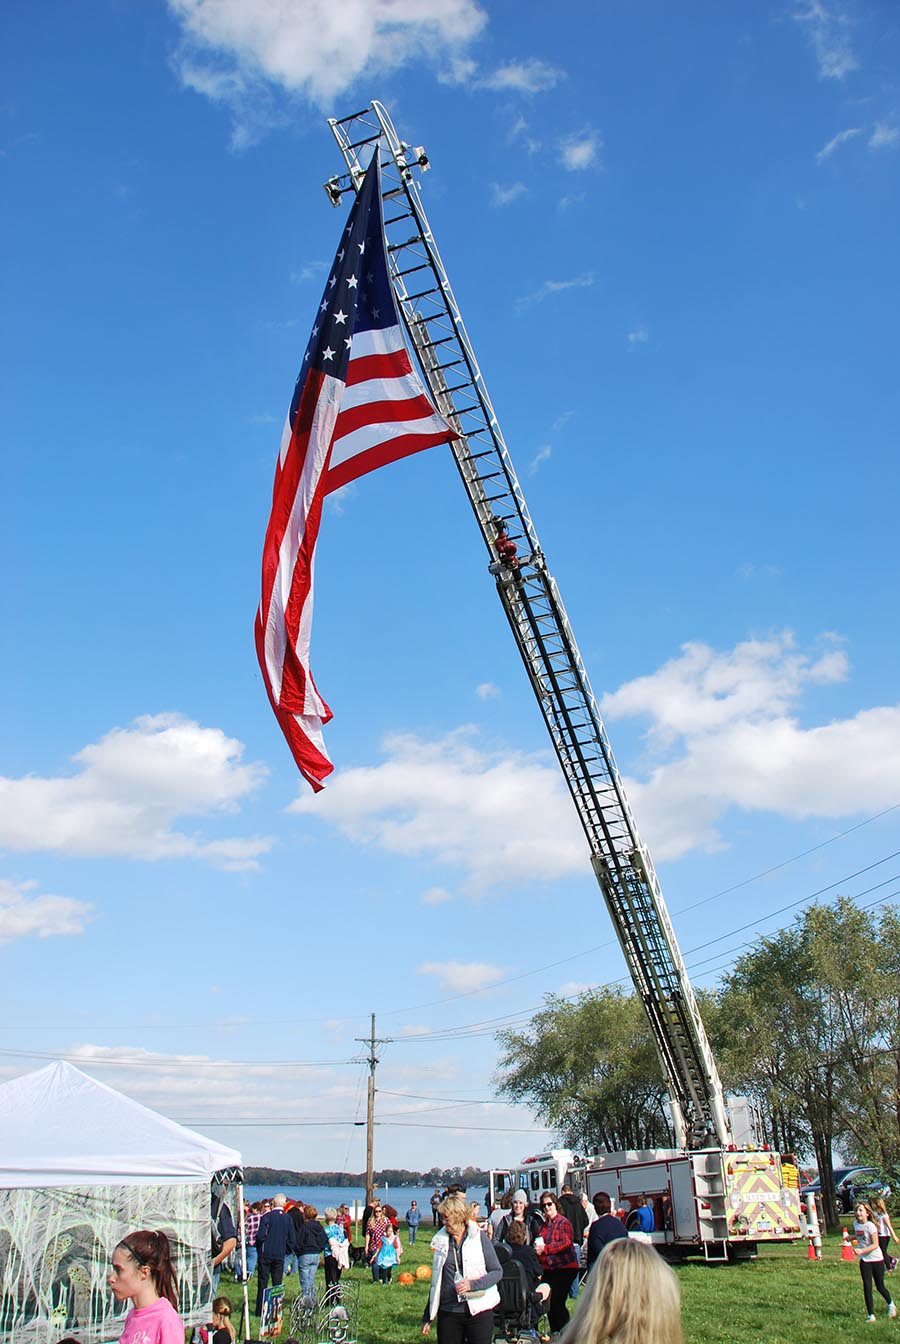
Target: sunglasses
x=548, y=1204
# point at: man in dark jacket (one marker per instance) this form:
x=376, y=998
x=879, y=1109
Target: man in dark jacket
x=275, y=1238
x=605, y=1227
x=571, y=1206
x=224, y=1235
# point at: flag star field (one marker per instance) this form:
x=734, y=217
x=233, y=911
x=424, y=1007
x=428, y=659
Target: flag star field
x=672, y=238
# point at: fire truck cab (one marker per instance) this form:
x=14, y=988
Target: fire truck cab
x=543, y=1171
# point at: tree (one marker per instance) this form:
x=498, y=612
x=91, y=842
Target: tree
x=591, y=1071
x=808, y=1021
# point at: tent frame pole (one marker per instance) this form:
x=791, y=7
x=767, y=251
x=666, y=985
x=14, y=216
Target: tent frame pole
x=242, y=1242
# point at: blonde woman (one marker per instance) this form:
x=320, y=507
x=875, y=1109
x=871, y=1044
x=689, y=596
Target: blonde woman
x=464, y=1277
x=631, y=1297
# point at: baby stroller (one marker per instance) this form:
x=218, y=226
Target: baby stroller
x=517, y=1315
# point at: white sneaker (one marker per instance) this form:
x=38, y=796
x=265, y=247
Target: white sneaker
x=892, y=1309
x=870, y=1320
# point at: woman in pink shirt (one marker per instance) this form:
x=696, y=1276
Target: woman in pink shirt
x=143, y=1273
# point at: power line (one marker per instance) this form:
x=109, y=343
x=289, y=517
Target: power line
x=318, y=1021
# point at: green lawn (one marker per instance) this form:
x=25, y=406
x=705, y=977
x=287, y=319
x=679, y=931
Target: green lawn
x=780, y=1298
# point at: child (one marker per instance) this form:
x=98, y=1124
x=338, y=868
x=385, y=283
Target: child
x=871, y=1260
x=337, y=1257
x=885, y=1231
x=220, y=1330
x=389, y=1253
x=142, y=1273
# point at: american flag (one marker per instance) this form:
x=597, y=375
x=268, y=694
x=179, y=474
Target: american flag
x=357, y=405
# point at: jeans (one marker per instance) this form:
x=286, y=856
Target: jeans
x=252, y=1258
x=412, y=1234
x=306, y=1268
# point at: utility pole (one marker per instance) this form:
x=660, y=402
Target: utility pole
x=371, y=1041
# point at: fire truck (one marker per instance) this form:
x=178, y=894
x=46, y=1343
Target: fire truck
x=709, y=1193
x=717, y=1202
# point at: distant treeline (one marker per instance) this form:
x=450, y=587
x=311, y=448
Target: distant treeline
x=390, y=1176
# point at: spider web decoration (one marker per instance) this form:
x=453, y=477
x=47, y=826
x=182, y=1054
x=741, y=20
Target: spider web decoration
x=330, y=1319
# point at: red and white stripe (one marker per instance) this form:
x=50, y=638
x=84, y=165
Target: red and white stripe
x=341, y=431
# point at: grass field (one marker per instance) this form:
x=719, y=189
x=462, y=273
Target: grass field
x=779, y=1298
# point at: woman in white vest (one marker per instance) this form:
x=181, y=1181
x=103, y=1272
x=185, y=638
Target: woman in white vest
x=464, y=1277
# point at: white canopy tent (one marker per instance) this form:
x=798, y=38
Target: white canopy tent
x=80, y=1166
x=60, y=1127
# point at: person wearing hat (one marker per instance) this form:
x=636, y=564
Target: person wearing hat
x=520, y=1212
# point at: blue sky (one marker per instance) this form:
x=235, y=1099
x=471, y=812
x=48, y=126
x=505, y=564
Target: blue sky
x=673, y=239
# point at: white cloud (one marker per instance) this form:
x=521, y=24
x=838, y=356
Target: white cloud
x=827, y=30
x=506, y=195
x=487, y=691
x=521, y=131
x=23, y=915
x=180, y=1085
x=884, y=136
x=232, y=49
x=462, y=977
x=702, y=691
x=570, y=989
x=528, y=76
x=552, y=287
x=580, y=150
x=836, y=141
x=499, y=818
x=750, y=569
x=312, y=270
x=458, y=69
x=723, y=733
x=640, y=336
x=543, y=454
x=436, y=896
x=130, y=788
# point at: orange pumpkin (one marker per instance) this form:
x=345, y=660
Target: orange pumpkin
x=423, y=1271
x=406, y=1277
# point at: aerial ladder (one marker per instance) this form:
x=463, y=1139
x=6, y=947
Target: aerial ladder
x=540, y=626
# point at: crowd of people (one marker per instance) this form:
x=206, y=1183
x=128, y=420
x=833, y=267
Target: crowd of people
x=629, y=1295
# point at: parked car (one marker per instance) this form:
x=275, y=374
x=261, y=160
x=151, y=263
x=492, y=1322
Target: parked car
x=851, y=1184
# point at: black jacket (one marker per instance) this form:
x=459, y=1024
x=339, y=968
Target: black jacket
x=275, y=1238
x=572, y=1207
x=533, y=1225
x=602, y=1230
x=312, y=1239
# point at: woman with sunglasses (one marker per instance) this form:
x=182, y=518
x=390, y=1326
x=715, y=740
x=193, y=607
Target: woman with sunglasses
x=559, y=1260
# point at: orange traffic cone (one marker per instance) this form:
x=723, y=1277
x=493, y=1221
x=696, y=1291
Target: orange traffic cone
x=811, y=1252
x=846, y=1248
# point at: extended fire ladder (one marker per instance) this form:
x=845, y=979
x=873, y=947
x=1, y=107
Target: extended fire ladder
x=541, y=628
